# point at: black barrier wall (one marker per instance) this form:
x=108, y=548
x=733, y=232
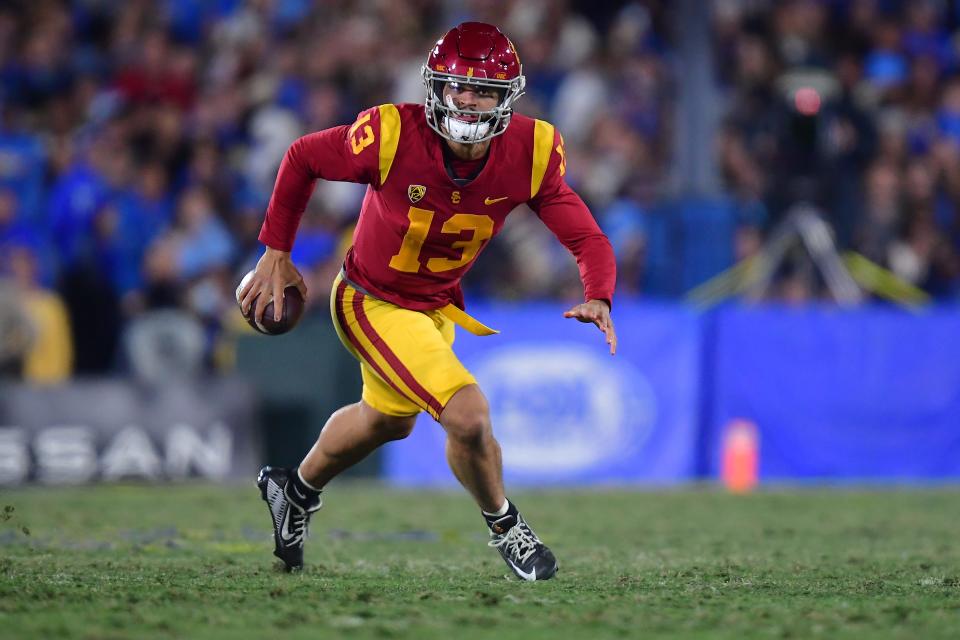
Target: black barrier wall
x=301, y=378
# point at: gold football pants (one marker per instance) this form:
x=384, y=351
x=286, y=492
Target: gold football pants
x=406, y=357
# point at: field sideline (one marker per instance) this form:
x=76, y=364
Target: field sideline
x=134, y=561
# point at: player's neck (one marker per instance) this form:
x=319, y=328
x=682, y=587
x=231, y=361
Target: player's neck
x=469, y=151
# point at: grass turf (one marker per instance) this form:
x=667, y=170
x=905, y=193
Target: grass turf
x=194, y=561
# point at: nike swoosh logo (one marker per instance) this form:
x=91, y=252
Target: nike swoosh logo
x=283, y=527
x=523, y=574
x=494, y=200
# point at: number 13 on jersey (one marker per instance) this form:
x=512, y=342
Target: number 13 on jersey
x=408, y=258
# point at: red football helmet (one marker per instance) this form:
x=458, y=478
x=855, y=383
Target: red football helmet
x=475, y=54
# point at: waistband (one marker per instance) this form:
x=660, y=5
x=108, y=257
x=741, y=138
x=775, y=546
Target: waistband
x=454, y=313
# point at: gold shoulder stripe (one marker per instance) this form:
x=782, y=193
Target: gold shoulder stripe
x=542, y=148
x=389, y=138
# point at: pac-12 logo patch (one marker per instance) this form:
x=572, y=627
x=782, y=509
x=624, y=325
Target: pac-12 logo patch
x=416, y=192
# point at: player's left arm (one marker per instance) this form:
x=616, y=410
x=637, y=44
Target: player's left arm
x=566, y=215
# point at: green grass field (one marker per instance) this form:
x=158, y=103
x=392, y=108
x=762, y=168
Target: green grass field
x=194, y=562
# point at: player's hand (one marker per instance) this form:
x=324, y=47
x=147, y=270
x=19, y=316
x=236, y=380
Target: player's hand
x=597, y=312
x=275, y=272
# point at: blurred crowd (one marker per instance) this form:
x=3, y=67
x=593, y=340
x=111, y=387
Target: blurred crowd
x=853, y=106
x=139, y=142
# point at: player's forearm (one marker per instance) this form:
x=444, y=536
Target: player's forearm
x=566, y=215
x=291, y=192
x=598, y=268
x=326, y=155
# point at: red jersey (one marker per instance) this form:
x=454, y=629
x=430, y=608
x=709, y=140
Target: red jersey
x=419, y=230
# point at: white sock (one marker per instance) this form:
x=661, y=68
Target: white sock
x=502, y=511
x=305, y=483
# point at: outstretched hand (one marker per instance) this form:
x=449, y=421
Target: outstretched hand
x=597, y=312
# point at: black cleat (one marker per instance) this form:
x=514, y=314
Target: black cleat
x=290, y=512
x=521, y=549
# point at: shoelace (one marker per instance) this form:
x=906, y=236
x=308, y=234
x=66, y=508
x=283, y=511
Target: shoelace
x=519, y=542
x=300, y=520
x=299, y=525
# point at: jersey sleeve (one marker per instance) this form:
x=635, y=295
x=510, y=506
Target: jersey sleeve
x=347, y=153
x=567, y=216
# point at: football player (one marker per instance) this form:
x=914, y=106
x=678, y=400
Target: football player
x=442, y=176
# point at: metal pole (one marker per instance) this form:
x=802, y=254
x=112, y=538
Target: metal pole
x=698, y=108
